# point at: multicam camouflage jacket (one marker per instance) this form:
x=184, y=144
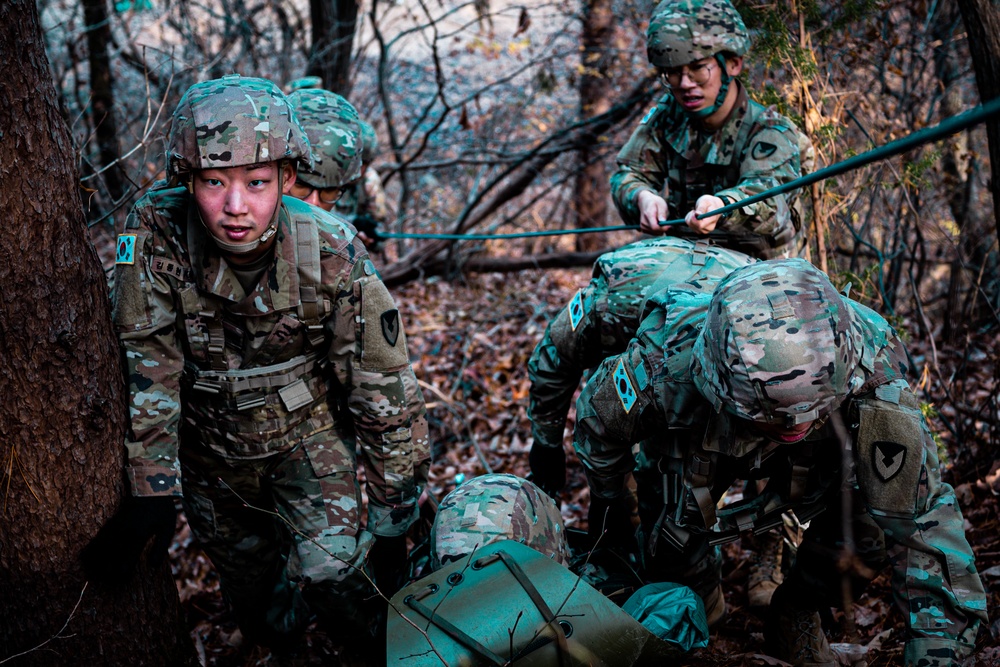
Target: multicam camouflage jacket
x=647, y=394
x=604, y=316
x=755, y=150
x=316, y=345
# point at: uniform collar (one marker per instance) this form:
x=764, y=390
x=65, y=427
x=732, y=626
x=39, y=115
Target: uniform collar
x=278, y=287
x=716, y=148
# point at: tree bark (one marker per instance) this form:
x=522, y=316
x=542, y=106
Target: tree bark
x=61, y=387
x=333, y=26
x=592, y=189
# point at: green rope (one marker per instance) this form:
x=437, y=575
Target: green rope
x=945, y=128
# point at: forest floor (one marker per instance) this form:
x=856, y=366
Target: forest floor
x=470, y=340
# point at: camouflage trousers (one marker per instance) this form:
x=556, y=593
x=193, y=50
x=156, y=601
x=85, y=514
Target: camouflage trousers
x=286, y=542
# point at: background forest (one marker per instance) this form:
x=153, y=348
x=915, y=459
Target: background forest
x=493, y=117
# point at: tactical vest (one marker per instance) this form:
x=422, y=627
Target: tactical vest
x=246, y=411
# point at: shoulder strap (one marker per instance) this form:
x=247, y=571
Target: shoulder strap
x=307, y=260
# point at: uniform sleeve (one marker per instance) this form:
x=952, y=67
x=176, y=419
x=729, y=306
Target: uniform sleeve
x=143, y=312
x=617, y=407
x=934, y=575
x=771, y=158
x=571, y=344
x=642, y=165
x=371, y=365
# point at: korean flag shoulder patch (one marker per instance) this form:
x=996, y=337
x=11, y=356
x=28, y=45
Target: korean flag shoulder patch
x=576, y=310
x=125, y=249
x=623, y=385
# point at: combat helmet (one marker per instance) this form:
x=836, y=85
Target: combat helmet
x=683, y=31
x=779, y=344
x=495, y=507
x=234, y=121
x=334, y=131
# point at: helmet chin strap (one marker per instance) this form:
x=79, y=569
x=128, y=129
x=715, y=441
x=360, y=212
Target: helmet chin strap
x=263, y=239
x=702, y=114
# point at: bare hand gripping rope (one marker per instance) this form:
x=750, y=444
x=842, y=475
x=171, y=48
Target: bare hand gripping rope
x=945, y=128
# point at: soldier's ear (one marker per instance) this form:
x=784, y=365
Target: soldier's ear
x=734, y=65
x=287, y=177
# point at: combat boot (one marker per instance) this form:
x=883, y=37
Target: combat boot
x=796, y=635
x=715, y=607
x=765, y=572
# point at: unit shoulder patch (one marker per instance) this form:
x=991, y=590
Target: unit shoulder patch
x=887, y=459
x=390, y=326
x=762, y=150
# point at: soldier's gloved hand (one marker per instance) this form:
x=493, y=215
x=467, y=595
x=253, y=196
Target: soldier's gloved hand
x=548, y=468
x=388, y=561
x=367, y=228
x=610, y=521
x=113, y=555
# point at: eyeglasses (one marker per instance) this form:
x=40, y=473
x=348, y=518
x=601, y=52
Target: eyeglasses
x=302, y=190
x=698, y=73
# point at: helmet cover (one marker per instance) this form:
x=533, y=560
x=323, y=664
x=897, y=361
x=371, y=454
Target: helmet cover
x=779, y=344
x=683, y=31
x=233, y=122
x=334, y=130
x=495, y=507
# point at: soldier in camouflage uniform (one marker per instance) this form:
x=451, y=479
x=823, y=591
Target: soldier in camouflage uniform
x=334, y=131
x=708, y=143
x=495, y=507
x=500, y=585
x=364, y=203
x=262, y=349
x=778, y=376
x=599, y=322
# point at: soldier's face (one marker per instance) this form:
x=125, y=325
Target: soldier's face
x=237, y=203
x=700, y=82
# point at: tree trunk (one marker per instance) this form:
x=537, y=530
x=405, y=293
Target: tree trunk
x=102, y=99
x=592, y=188
x=61, y=389
x=333, y=26
x=982, y=24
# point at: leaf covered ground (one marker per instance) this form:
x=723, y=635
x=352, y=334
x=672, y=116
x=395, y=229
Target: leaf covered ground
x=470, y=340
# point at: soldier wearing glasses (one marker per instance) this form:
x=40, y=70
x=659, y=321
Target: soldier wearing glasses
x=706, y=144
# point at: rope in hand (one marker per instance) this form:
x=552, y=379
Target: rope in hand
x=927, y=135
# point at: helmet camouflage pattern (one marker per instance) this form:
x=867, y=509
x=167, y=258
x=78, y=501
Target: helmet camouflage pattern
x=233, y=122
x=334, y=130
x=495, y=507
x=683, y=31
x=369, y=142
x=303, y=82
x=779, y=344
